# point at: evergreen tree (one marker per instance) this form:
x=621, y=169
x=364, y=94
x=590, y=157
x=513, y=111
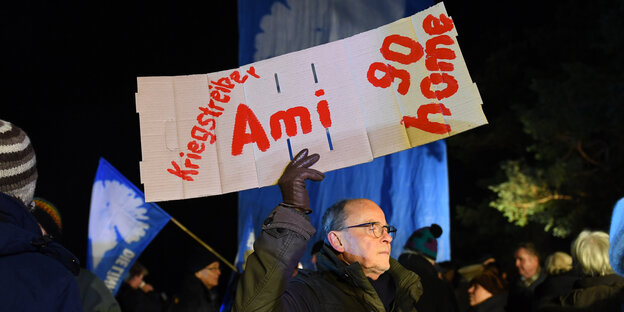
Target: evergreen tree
x=552, y=157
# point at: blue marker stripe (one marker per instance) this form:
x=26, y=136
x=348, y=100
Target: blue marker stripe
x=314, y=73
x=289, y=148
x=331, y=146
x=277, y=83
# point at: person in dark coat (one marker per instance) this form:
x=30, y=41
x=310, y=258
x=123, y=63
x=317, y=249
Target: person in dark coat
x=199, y=291
x=522, y=288
x=598, y=255
x=559, y=281
x=419, y=255
x=94, y=295
x=487, y=293
x=599, y=283
x=136, y=295
x=37, y=273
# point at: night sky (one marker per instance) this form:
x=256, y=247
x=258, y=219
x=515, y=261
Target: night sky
x=69, y=79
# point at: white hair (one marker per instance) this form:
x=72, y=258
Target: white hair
x=559, y=262
x=591, y=251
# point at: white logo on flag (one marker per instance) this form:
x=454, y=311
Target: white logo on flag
x=117, y=209
x=250, y=240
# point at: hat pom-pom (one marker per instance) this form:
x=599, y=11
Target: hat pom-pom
x=435, y=230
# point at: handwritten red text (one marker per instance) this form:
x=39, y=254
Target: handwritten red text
x=203, y=132
x=246, y=119
x=441, y=71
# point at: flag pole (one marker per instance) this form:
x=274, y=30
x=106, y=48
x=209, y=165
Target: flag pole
x=203, y=244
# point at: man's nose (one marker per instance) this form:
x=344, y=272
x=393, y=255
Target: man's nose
x=386, y=236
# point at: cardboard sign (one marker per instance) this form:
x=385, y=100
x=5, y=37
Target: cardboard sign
x=379, y=92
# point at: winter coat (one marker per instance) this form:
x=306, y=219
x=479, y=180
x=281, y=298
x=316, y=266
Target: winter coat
x=437, y=295
x=266, y=284
x=36, y=272
x=590, y=290
x=522, y=298
x=496, y=303
x=555, y=286
x=136, y=300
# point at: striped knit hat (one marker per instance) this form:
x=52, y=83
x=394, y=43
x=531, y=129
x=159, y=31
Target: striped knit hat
x=49, y=217
x=18, y=171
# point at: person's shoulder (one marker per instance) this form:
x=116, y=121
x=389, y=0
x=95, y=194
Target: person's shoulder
x=307, y=276
x=309, y=287
x=312, y=282
x=37, y=280
x=399, y=269
x=320, y=291
x=617, y=279
x=406, y=279
x=43, y=266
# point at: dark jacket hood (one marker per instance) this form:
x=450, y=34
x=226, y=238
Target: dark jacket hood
x=13, y=211
x=20, y=232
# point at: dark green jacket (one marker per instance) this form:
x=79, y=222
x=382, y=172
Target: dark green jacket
x=266, y=284
x=591, y=290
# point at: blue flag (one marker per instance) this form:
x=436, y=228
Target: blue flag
x=248, y=237
x=410, y=186
x=616, y=238
x=121, y=225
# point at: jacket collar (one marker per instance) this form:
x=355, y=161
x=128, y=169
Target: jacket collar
x=407, y=282
x=351, y=274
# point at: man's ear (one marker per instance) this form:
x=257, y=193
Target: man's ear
x=334, y=241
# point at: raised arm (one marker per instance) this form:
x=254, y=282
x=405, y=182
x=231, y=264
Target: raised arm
x=282, y=242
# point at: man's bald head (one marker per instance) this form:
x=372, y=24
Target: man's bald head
x=335, y=216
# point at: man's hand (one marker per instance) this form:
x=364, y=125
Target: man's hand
x=145, y=287
x=292, y=181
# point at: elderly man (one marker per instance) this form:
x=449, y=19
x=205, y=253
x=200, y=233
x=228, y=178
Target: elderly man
x=199, y=292
x=521, y=292
x=355, y=271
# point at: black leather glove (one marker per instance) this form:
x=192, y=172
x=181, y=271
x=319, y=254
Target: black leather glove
x=292, y=181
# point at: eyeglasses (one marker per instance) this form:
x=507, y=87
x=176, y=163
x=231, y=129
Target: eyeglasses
x=376, y=228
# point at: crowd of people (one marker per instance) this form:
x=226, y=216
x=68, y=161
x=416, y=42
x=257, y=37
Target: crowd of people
x=353, y=270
